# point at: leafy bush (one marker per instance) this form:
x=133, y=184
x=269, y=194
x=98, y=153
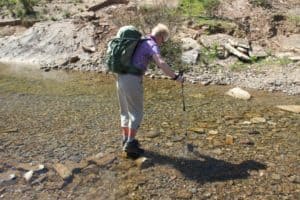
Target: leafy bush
x=199, y=7
x=19, y=8
x=148, y=17
x=191, y=7
x=210, y=6
x=208, y=55
x=171, y=51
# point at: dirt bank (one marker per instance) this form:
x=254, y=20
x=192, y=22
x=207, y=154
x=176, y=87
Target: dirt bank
x=77, y=41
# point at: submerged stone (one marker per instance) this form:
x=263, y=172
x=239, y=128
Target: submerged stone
x=291, y=108
x=238, y=93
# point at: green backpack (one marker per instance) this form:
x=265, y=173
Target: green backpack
x=121, y=49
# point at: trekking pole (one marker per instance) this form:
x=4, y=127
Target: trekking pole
x=189, y=147
x=182, y=94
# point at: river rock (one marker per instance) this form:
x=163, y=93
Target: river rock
x=105, y=3
x=238, y=93
x=63, y=171
x=28, y=175
x=190, y=44
x=74, y=59
x=76, y=167
x=143, y=162
x=246, y=142
x=257, y=51
x=30, y=167
x=229, y=140
x=289, y=46
x=197, y=130
x=183, y=194
x=213, y=132
x=294, y=179
x=39, y=180
x=190, y=57
x=216, y=39
x=152, y=134
x=7, y=178
x=257, y=120
x=291, y=108
x=102, y=160
x=276, y=177
x=253, y=132
x=89, y=49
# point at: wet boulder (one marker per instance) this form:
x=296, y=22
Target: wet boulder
x=291, y=108
x=239, y=93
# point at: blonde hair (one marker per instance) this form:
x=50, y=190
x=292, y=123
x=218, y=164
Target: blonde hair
x=161, y=30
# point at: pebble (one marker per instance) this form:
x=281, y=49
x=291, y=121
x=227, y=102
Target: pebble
x=275, y=176
x=229, y=140
x=28, y=175
x=183, y=194
x=177, y=138
x=143, y=162
x=207, y=194
x=7, y=178
x=197, y=130
x=152, y=134
x=63, y=171
x=257, y=120
x=217, y=151
x=253, y=132
x=294, y=179
x=246, y=142
x=213, y=132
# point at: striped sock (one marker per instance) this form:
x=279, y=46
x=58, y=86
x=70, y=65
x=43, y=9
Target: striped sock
x=131, y=135
x=125, y=133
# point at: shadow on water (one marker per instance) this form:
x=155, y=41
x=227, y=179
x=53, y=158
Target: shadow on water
x=202, y=168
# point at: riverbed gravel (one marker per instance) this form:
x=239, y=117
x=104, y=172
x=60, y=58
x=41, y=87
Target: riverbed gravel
x=74, y=122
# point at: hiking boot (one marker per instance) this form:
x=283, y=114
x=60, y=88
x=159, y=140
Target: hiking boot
x=135, y=141
x=132, y=148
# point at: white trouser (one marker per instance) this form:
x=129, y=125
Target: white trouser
x=130, y=93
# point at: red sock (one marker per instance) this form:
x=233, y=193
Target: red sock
x=131, y=134
x=125, y=133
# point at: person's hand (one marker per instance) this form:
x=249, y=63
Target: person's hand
x=179, y=77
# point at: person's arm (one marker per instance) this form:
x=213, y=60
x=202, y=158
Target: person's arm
x=163, y=66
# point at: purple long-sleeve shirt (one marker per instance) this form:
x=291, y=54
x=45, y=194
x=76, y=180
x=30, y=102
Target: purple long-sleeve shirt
x=144, y=52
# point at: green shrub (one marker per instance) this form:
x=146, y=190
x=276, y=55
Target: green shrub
x=148, y=17
x=208, y=55
x=216, y=25
x=19, y=7
x=210, y=6
x=191, y=7
x=199, y=7
x=171, y=51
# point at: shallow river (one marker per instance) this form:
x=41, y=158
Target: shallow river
x=48, y=117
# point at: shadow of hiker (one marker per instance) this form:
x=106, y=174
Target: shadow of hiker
x=203, y=168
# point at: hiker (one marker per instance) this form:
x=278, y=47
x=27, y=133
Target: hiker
x=130, y=86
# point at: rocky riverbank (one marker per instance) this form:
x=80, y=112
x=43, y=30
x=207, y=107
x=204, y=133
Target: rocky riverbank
x=79, y=43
